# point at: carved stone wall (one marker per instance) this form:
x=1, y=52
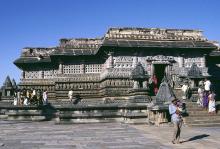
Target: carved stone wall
x=123, y=61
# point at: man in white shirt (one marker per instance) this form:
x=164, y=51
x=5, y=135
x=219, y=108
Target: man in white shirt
x=185, y=89
x=207, y=85
x=70, y=95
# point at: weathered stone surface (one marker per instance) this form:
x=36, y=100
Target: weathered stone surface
x=23, y=135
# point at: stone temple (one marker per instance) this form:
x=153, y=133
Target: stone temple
x=104, y=68
x=129, y=75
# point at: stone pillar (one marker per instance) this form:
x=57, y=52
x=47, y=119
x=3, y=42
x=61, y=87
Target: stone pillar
x=41, y=74
x=136, y=85
x=145, y=84
x=203, y=61
x=110, y=60
x=8, y=93
x=82, y=68
x=23, y=75
x=3, y=92
x=135, y=61
x=192, y=83
x=152, y=69
x=60, y=71
x=181, y=61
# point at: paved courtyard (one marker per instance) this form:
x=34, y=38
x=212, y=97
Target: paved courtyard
x=47, y=135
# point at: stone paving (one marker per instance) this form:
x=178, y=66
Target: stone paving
x=47, y=135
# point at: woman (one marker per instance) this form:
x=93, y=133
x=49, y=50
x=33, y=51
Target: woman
x=205, y=100
x=211, y=102
x=155, y=84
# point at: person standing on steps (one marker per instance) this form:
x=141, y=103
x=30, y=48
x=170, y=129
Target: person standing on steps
x=185, y=90
x=176, y=120
x=70, y=95
x=211, y=107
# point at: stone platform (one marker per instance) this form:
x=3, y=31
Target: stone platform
x=68, y=113
x=47, y=135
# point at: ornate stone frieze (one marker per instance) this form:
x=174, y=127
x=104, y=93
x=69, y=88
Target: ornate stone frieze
x=116, y=73
x=154, y=33
x=37, y=82
x=77, y=78
x=76, y=86
x=160, y=58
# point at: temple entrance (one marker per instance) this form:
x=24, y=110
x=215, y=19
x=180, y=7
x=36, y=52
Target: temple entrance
x=159, y=72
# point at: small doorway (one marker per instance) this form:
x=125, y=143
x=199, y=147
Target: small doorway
x=159, y=72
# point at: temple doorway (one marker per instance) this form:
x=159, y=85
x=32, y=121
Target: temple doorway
x=159, y=72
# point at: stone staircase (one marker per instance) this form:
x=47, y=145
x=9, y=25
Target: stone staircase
x=198, y=116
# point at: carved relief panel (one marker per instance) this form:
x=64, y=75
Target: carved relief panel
x=123, y=61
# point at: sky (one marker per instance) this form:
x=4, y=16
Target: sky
x=41, y=23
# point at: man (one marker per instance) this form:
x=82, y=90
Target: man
x=176, y=119
x=45, y=96
x=185, y=89
x=207, y=85
x=70, y=95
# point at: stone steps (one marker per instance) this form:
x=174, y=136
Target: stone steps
x=198, y=116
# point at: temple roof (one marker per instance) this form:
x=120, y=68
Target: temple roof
x=154, y=34
x=14, y=83
x=120, y=37
x=7, y=82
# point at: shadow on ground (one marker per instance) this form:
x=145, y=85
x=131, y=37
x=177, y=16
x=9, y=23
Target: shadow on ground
x=198, y=137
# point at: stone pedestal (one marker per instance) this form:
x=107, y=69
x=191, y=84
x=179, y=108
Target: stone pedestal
x=158, y=114
x=139, y=95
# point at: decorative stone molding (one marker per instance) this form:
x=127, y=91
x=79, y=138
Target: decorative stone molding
x=160, y=58
x=116, y=73
x=80, y=43
x=33, y=52
x=154, y=34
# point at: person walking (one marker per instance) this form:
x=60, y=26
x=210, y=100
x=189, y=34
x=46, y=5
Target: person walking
x=176, y=119
x=45, y=100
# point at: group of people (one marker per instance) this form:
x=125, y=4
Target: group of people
x=176, y=108
x=26, y=97
x=206, y=96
